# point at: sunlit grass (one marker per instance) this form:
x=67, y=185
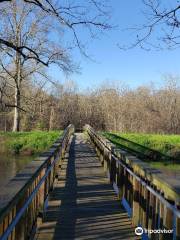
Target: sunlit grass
x=27, y=142
x=167, y=147
x=165, y=166
x=162, y=143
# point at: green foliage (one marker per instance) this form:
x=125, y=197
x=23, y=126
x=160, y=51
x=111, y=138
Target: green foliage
x=165, y=166
x=16, y=147
x=158, y=149
x=41, y=125
x=162, y=143
x=28, y=142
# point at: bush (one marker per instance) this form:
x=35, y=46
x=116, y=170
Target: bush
x=16, y=147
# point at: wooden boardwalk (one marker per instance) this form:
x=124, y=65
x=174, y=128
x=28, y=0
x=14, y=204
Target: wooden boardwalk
x=83, y=204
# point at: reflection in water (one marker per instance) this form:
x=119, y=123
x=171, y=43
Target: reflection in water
x=10, y=165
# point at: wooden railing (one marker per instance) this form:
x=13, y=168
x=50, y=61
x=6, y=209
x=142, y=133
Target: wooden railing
x=24, y=199
x=150, y=201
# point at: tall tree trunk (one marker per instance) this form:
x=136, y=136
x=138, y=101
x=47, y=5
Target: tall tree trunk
x=17, y=96
x=16, y=125
x=51, y=119
x=5, y=123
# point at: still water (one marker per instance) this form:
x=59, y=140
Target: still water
x=10, y=165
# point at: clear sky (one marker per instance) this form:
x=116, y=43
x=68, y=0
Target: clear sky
x=134, y=67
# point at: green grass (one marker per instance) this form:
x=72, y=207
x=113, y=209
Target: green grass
x=162, y=143
x=28, y=143
x=165, y=166
x=166, y=147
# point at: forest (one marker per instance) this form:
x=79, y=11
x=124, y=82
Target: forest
x=109, y=107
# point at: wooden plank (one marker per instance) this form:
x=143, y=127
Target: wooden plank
x=136, y=199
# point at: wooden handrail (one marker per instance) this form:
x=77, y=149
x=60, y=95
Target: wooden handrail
x=150, y=201
x=25, y=196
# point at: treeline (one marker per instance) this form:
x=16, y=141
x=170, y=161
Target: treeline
x=145, y=109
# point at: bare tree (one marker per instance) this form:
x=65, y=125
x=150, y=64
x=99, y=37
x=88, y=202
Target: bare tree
x=146, y=109
x=22, y=26
x=161, y=27
x=71, y=15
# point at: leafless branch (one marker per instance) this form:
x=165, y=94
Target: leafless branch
x=161, y=29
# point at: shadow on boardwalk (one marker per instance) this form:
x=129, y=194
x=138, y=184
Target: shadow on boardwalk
x=83, y=204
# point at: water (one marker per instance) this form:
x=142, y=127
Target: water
x=10, y=165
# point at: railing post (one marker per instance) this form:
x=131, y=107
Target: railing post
x=129, y=189
x=42, y=192
x=112, y=170
x=177, y=222
x=125, y=187
x=120, y=181
x=1, y=228
x=20, y=227
x=168, y=222
x=13, y=234
x=41, y=197
x=105, y=159
x=161, y=215
x=57, y=165
x=135, y=205
x=109, y=158
x=51, y=174
x=144, y=207
x=102, y=157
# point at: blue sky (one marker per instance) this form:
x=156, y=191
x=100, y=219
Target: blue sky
x=134, y=67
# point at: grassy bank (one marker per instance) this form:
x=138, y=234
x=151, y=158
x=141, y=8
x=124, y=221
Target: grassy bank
x=27, y=143
x=166, y=147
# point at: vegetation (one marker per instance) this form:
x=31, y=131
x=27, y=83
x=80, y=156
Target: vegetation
x=166, y=144
x=146, y=109
x=159, y=150
x=165, y=166
x=27, y=143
